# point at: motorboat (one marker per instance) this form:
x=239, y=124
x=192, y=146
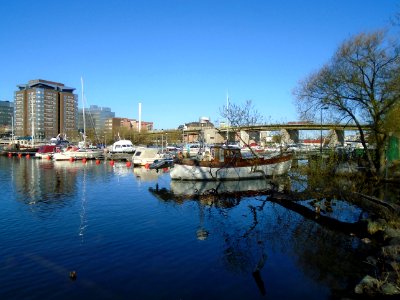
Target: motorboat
x=122, y=146
x=145, y=156
x=77, y=153
x=162, y=163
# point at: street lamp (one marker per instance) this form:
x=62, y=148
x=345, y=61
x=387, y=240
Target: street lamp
x=320, y=141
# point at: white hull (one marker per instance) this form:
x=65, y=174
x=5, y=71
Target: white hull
x=144, y=156
x=188, y=172
x=78, y=155
x=44, y=155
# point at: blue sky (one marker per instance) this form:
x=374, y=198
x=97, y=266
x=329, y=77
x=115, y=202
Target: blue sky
x=179, y=58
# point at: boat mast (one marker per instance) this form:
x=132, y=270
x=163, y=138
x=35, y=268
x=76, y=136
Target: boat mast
x=227, y=118
x=12, y=129
x=33, y=125
x=83, y=111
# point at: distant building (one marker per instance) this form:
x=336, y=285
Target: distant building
x=45, y=107
x=116, y=126
x=95, y=118
x=6, y=116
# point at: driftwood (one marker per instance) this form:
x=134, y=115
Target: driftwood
x=288, y=201
x=393, y=207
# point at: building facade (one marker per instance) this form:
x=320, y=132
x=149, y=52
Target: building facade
x=44, y=109
x=95, y=118
x=6, y=117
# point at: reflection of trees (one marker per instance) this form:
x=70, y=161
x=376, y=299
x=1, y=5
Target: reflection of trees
x=317, y=180
x=326, y=249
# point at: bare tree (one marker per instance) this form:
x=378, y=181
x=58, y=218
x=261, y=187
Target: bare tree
x=241, y=115
x=361, y=84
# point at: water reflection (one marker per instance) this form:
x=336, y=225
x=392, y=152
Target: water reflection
x=40, y=182
x=244, y=249
x=47, y=182
x=253, y=228
x=230, y=236
x=219, y=193
x=143, y=174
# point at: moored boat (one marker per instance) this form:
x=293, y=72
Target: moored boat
x=45, y=151
x=227, y=163
x=120, y=150
x=144, y=156
x=76, y=153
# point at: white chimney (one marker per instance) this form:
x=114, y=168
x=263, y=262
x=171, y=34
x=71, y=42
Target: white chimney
x=140, y=116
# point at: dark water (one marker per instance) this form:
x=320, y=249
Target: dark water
x=128, y=237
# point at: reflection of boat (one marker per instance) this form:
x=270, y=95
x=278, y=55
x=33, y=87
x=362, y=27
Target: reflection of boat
x=249, y=186
x=146, y=174
x=221, y=193
x=227, y=163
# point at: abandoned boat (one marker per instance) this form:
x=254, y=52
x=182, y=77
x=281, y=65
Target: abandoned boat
x=227, y=163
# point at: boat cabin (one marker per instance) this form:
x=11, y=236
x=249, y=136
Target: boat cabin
x=224, y=153
x=123, y=146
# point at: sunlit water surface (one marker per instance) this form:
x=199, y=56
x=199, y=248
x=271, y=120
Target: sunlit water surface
x=128, y=237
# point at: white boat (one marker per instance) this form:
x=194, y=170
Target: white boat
x=144, y=156
x=55, y=145
x=122, y=146
x=227, y=163
x=76, y=153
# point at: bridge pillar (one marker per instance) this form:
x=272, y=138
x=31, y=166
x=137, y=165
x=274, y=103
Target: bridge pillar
x=340, y=136
x=244, y=138
x=336, y=137
x=290, y=136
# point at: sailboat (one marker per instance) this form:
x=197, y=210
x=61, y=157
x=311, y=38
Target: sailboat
x=83, y=151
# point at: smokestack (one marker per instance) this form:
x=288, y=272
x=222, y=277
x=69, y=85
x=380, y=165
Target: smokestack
x=140, y=116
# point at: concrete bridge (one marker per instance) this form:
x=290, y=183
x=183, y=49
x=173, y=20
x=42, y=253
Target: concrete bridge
x=289, y=132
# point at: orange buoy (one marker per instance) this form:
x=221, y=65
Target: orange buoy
x=48, y=157
x=147, y=166
x=84, y=160
x=19, y=155
x=111, y=162
x=97, y=161
x=71, y=159
x=165, y=170
x=128, y=164
x=9, y=154
x=28, y=156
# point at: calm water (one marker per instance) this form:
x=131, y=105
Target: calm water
x=128, y=237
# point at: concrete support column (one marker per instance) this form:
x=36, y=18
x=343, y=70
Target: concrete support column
x=244, y=138
x=340, y=136
x=336, y=137
x=290, y=136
